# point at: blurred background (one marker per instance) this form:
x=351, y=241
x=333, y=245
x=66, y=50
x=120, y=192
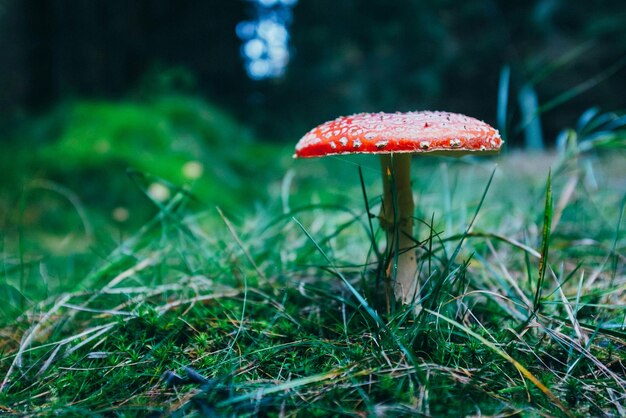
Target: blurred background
x=98, y=97
x=282, y=66
x=115, y=113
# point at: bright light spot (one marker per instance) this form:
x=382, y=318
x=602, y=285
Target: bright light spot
x=246, y=30
x=158, y=192
x=259, y=69
x=193, y=170
x=279, y=54
x=120, y=214
x=265, y=47
x=274, y=33
x=254, y=49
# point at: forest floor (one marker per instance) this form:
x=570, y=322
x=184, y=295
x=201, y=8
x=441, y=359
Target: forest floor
x=276, y=305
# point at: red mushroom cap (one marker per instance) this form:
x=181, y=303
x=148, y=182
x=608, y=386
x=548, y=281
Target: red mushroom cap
x=383, y=133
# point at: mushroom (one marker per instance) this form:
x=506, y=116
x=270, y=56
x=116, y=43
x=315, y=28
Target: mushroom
x=396, y=136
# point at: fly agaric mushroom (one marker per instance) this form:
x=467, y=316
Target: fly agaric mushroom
x=396, y=136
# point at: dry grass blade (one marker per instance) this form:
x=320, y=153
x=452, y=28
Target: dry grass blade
x=583, y=339
x=310, y=337
x=240, y=244
x=190, y=301
x=29, y=337
x=335, y=376
x=143, y=264
x=523, y=370
x=575, y=345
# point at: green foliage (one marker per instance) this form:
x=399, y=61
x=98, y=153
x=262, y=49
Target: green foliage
x=98, y=168
x=594, y=131
x=277, y=308
x=161, y=138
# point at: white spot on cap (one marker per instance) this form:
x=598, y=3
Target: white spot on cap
x=333, y=145
x=309, y=139
x=381, y=144
x=414, y=131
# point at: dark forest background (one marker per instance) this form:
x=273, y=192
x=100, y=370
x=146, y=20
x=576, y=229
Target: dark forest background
x=346, y=56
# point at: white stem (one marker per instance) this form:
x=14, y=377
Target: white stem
x=396, y=218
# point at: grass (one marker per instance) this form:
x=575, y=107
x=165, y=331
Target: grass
x=276, y=307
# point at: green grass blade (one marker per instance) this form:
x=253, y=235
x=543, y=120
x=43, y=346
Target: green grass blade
x=282, y=387
x=523, y=370
x=582, y=87
x=567, y=58
x=545, y=242
x=614, y=252
x=503, y=99
x=431, y=300
x=369, y=215
x=372, y=313
x=366, y=306
x=531, y=121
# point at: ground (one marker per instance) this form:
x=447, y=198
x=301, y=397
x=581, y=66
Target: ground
x=276, y=306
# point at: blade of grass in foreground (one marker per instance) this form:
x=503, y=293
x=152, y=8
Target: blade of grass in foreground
x=545, y=242
x=614, y=263
x=372, y=234
x=433, y=298
x=240, y=244
x=371, y=312
x=523, y=370
x=457, y=250
x=291, y=384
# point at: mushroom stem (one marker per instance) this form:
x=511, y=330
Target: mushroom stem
x=396, y=218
